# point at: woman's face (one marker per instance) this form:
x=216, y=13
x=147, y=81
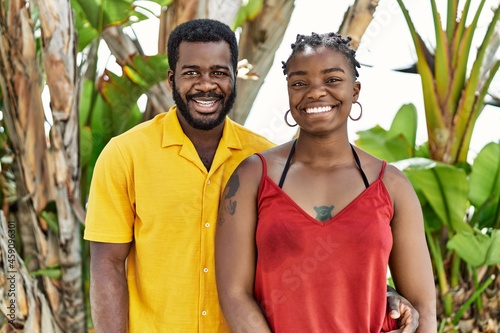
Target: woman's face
x=321, y=90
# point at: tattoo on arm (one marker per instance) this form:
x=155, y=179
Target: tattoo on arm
x=232, y=187
x=324, y=213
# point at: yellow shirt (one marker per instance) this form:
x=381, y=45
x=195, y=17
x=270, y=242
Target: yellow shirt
x=150, y=187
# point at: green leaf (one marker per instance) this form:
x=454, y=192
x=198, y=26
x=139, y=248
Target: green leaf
x=86, y=145
x=86, y=31
x=466, y=111
x=476, y=112
x=405, y=122
x=248, y=12
x=101, y=123
x=445, y=188
x=162, y=2
x=50, y=218
x=485, y=175
x=435, y=123
x=103, y=13
x=441, y=57
x=477, y=249
x=376, y=142
x=86, y=98
x=432, y=221
x=484, y=192
x=53, y=272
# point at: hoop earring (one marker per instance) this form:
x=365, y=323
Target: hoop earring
x=286, y=120
x=360, y=112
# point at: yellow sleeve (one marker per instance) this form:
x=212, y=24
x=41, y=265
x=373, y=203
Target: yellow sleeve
x=111, y=206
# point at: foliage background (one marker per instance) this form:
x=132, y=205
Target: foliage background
x=48, y=149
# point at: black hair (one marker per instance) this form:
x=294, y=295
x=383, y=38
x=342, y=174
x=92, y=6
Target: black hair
x=329, y=40
x=201, y=31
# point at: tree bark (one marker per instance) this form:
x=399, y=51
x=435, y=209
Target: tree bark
x=259, y=41
x=357, y=19
x=59, y=60
x=46, y=171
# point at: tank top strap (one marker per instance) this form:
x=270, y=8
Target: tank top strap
x=358, y=163
x=381, y=174
x=287, y=165
x=264, y=173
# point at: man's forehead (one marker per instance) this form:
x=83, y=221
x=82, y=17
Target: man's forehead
x=205, y=53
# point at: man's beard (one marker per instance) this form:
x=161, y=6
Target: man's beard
x=202, y=124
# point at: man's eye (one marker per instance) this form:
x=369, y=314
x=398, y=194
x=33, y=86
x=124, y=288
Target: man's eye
x=219, y=73
x=332, y=80
x=298, y=84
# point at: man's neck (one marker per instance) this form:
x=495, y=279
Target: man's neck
x=205, y=142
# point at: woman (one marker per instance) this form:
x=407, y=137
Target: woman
x=307, y=229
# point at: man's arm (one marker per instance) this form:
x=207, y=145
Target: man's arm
x=400, y=309
x=108, y=287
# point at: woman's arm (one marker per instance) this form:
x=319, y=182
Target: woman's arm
x=235, y=252
x=410, y=262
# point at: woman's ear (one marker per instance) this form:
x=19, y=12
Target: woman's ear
x=356, y=89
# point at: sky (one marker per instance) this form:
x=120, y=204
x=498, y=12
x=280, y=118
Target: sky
x=385, y=46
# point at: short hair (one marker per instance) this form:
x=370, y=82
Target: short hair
x=329, y=40
x=201, y=31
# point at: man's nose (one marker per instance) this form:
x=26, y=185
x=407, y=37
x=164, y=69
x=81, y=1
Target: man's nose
x=205, y=83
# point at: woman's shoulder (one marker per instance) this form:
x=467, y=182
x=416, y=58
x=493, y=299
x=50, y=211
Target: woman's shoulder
x=375, y=166
x=279, y=152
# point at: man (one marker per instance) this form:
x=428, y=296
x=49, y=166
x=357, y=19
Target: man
x=155, y=193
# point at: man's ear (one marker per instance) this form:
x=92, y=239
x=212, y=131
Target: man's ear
x=170, y=77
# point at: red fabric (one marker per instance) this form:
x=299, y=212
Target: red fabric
x=329, y=276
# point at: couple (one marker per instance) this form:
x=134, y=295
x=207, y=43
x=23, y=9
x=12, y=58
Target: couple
x=155, y=195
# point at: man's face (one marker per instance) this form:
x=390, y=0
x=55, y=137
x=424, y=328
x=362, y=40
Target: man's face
x=203, y=83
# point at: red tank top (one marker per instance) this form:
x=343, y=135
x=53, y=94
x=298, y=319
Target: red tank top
x=314, y=276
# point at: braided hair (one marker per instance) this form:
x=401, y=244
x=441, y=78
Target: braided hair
x=329, y=40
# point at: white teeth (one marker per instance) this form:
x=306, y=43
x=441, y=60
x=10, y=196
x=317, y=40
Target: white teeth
x=318, y=110
x=205, y=103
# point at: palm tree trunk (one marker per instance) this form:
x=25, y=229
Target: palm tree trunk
x=59, y=62
x=45, y=174
x=259, y=41
x=356, y=20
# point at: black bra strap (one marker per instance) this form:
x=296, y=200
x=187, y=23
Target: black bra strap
x=292, y=151
x=365, y=180
x=287, y=165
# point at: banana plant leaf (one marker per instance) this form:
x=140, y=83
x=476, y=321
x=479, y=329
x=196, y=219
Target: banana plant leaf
x=477, y=249
x=395, y=144
x=484, y=192
x=92, y=17
x=444, y=187
x=248, y=12
x=122, y=92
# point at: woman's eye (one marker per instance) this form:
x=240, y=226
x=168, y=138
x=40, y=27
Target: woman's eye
x=331, y=80
x=298, y=84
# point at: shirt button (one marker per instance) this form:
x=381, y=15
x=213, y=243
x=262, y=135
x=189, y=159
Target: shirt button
x=207, y=224
x=203, y=313
x=205, y=270
x=208, y=182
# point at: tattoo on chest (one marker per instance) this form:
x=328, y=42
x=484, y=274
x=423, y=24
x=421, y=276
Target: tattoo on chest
x=323, y=213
